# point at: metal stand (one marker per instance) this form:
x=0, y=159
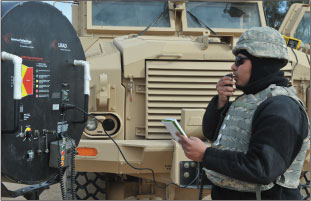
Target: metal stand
x=33, y=195
x=31, y=192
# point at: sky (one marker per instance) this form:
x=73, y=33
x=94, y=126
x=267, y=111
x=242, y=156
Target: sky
x=63, y=6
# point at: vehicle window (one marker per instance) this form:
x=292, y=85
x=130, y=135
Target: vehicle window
x=303, y=29
x=119, y=13
x=224, y=15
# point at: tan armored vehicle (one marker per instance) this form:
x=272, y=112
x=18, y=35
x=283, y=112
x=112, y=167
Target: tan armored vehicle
x=156, y=60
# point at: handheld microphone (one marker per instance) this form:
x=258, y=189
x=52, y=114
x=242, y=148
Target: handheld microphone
x=231, y=76
x=229, y=85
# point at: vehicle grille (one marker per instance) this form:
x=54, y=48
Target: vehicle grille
x=174, y=85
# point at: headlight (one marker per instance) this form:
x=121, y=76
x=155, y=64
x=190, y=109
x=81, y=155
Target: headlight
x=91, y=124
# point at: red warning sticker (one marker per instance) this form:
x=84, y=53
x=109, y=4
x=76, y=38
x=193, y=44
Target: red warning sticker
x=27, y=74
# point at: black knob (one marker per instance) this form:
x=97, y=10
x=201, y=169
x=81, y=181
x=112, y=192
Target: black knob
x=108, y=124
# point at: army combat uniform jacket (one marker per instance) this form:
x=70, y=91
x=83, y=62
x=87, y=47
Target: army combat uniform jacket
x=279, y=128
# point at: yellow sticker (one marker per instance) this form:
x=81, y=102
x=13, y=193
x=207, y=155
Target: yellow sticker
x=24, y=69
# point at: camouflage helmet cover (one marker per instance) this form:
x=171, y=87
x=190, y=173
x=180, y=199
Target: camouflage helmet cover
x=262, y=42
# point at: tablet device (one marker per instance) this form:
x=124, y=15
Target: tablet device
x=173, y=126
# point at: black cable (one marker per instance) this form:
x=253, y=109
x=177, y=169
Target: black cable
x=61, y=170
x=200, y=170
x=129, y=164
x=201, y=182
x=136, y=168
x=73, y=173
x=72, y=158
x=61, y=179
x=69, y=106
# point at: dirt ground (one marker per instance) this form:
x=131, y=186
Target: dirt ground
x=54, y=193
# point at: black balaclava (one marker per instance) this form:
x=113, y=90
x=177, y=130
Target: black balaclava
x=265, y=71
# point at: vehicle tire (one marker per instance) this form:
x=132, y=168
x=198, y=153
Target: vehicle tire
x=91, y=186
x=304, y=185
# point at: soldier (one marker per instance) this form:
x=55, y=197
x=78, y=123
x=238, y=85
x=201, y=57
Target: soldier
x=259, y=139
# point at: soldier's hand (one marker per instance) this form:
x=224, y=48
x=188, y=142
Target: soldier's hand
x=225, y=89
x=193, y=147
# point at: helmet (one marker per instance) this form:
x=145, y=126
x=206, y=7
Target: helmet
x=263, y=42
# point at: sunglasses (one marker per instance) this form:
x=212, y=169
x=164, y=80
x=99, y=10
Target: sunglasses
x=239, y=60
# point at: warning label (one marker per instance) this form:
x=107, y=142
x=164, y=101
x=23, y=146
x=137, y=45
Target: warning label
x=27, y=75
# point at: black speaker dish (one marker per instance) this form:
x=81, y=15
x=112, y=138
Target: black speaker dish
x=46, y=41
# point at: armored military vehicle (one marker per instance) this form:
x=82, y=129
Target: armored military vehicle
x=155, y=60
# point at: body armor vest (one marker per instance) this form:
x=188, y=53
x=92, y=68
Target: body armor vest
x=235, y=133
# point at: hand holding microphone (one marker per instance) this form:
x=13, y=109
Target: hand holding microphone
x=225, y=89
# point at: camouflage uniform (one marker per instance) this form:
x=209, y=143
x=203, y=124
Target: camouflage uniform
x=263, y=42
